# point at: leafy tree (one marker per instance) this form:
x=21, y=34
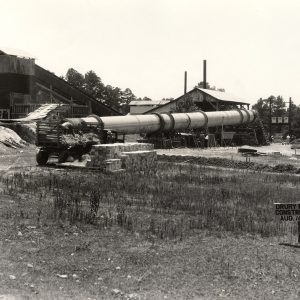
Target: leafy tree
x=75, y=78
x=126, y=97
x=263, y=108
x=93, y=85
x=278, y=109
x=295, y=116
x=208, y=86
x=143, y=99
x=112, y=96
x=147, y=99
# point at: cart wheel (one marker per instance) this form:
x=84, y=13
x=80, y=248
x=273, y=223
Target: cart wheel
x=42, y=157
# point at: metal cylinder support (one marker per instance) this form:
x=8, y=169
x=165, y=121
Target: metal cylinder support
x=167, y=122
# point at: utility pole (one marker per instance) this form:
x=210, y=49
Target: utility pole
x=185, y=82
x=204, y=79
x=270, y=117
x=290, y=115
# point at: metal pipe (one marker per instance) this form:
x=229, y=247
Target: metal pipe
x=167, y=122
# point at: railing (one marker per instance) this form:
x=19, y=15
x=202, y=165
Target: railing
x=22, y=110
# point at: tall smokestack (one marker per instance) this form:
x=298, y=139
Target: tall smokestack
x=185, y=81
x=204, y=74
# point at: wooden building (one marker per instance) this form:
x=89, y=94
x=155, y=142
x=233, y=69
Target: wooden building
x=25, y=86
x=204, y=99
x=141, y=106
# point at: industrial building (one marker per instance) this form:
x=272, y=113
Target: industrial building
x=204, y=99
x=142, y=106
x=25, y=86
x=207, y=101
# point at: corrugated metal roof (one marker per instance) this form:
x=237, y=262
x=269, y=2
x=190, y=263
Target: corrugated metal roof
x=15, y=52
x=223, y=96
x=220, y=96
x=148, y=103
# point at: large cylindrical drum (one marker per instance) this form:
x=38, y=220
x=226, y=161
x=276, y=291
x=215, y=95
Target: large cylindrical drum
x=166, y=122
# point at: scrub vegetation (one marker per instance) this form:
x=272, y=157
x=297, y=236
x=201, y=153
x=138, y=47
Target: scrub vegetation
x=184, y=231
x=171, y=203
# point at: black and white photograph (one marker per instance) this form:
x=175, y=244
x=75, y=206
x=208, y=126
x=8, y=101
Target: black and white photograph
x=149, y=149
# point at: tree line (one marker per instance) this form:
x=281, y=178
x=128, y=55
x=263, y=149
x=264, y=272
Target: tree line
x=119, y=99
x=92, y=84
x=278, y=107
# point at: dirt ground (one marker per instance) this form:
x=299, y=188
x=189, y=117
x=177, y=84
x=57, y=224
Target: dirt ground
x=83, y=262
x=17, y=159
x=270, y=158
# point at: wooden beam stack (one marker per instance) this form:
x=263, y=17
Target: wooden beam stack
x=139, y=160
x=129, y=156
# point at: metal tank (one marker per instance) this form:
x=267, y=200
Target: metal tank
x=166, y=122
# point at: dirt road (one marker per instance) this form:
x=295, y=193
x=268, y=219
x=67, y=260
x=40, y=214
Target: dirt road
x=271, y=158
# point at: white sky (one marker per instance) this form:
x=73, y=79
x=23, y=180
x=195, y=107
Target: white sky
x=252, y=47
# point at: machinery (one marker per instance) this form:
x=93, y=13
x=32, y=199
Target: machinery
x=75, y=136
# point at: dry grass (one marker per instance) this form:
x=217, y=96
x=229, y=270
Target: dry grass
x=184, y=232
x=172, y=203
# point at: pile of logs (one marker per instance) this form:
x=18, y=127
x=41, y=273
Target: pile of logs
x=129, y=156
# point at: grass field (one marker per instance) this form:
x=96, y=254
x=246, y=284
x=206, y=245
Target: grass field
x=184, y=232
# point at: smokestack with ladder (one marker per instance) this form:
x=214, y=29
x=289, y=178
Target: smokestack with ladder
x=185, y=81
x=204, y=74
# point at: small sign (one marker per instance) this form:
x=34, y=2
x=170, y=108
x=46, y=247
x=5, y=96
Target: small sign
x=274, y=120
x=279, y=120
x=287, y=211
x=286, y=120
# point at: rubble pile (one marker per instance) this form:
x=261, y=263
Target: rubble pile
x=11, y=139
x=129, y=156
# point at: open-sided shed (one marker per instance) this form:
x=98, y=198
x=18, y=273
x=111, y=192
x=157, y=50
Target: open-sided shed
x=204, y=99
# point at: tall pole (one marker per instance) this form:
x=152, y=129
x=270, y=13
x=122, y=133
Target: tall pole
x=290, y=115
x=270, y=117
x=222, y=133
x=185, y=81
x=204, y=74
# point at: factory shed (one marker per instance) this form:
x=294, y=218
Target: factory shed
x=49, y=83
x=141, y=106
x=204, y=99
x=25, y=86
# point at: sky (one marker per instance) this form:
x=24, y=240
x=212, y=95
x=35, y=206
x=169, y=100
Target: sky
x=252, y=47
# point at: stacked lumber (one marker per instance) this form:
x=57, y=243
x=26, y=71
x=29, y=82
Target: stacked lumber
x=112, y=165
x=129, y=156
x=139, y=160
x=42, y=112
x=109, y=151
x=48, y=133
